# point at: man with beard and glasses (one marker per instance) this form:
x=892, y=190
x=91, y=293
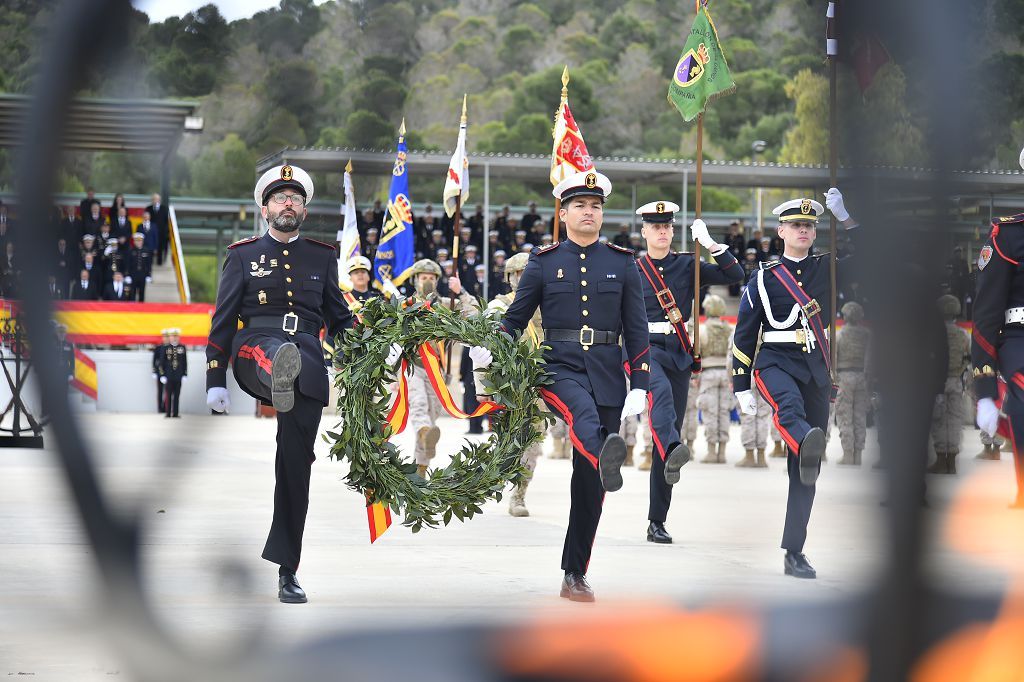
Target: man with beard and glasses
x=284, y=290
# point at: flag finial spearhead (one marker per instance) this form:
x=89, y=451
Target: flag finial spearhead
x=401, y=129
x=565, y=83
x=348, y=166
x=463, y=121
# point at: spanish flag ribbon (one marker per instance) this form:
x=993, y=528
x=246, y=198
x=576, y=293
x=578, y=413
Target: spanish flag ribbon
x=398, y=416
x=432, y=365
x=378, y=516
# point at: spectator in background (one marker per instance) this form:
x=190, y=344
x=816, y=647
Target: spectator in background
x=492, y=242
x=447, y=268
x=467, y=270
x=496, y=279
x=88, y=246
x=735, y=241
x=122, y=229
x=480, y=274
x=764, y=252
x=173, y=370
x=503, y=228
x=622, y=238
x=65, y=263
x=93, y=222
x=425, y=225
x=537, y=232
x=370, y=243
x=160, y=216
x=527, y=247
x=436, y=243
x=70, y=227
x=366, y=222
x=9, y=272
x=519, y=240
x=378, y=215
x=5, y=227
x=465, y=239
x=90, y=200
x=750, y=263
x=55, y=289
x=476, y=224
x=151, y=240
x=117, y=289
x=755, y=241
x=84, y=289
x=636, y=243
x=140, y=268
x=115, y=206
x=530, y=217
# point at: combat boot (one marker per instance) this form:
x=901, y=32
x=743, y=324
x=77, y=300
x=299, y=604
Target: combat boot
x=951, y=463
x=712, y=456
x=857, y=457
x=645, y=465
x=940, y=465
x=991, y=452
x=629, y=456
x=747, y=461
x=559, y=449
x=848, y=459
x=421, y=471
x=778, y=450
x=761, y=463
x=721, y=452
x=517, y=502
x=689, y=445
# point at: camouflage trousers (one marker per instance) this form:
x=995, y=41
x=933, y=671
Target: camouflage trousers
x=851, y=410
x=755, y=428
x=715, y=400
x=987, y=439
x=689, y=430
x=424, y=408
x=948, y=420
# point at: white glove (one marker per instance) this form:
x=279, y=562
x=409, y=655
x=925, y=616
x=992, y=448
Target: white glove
x=699, y=232
x=481, y=357
x=155, y=375
x=394, y=355
x=163, y=380
x=636, y=402
x=988, y=416
x=834, y=203
x=390, y=289
x=747, y=401
x=128, y=279
x=217, y=399
x=184, y=378
x=148, y=279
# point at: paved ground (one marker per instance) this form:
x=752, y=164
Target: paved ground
x=204, y=487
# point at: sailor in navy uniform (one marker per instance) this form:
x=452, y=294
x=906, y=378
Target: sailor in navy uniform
x=284, y=289
x=786, y=304
x=589, y=295
x=997, y=340
x=667, y=280
x=359, y=272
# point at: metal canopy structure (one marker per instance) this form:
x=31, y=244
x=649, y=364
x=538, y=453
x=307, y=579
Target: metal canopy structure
x=132, y=125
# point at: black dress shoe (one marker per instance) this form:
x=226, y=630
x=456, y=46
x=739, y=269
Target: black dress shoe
x=576, y=588
x=609, y=462
x=288, y=590
x=284, y=369
x=656, y=533
x=812, y=449
x=796, y=565
x=674, y=461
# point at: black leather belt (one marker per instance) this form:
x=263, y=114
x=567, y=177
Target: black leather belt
x=289, y=322
x=585, y=337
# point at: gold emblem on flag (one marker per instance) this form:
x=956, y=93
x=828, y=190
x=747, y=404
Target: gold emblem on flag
x=591, y=181
x=286, y=172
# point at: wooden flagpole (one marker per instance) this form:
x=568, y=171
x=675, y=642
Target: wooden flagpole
x=696, y=244
x=565, y=99
x=833, y=166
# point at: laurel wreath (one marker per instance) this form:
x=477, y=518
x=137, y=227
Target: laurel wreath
x=479, y=471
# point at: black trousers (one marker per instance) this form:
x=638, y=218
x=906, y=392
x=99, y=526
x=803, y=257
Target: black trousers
x=588, y=425
x=172, y=391
x=160, y=406
x=138, y=289
x=667, y=402
x=469, y=404
x=296, y=435
x=796, y=409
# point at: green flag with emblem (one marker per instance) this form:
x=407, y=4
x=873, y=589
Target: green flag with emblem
x=702, y=74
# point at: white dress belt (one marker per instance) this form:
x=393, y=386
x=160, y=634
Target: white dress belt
x=1014, y=315
x=660, y=328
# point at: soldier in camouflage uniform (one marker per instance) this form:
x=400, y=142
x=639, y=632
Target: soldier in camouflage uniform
x=688, y=432
x=534, y=335
x=715, y=399
x=755, y=429
x=424, y=407
x=949, y=414
x=852, y=342
x=561, y=448
x=628, y=430
x=991, y=444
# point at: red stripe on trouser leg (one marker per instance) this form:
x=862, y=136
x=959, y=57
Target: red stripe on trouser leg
x=763, y=390
x=261, y=359
x=563, y=410
x=650, y=423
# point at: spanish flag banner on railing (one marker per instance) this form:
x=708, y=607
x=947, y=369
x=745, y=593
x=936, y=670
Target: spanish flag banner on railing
x=432, y=364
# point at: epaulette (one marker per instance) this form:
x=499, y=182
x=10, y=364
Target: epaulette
x=621, y=249
x=546, y=249
x=243, y=241
x=1009, y=220
x=319, y=243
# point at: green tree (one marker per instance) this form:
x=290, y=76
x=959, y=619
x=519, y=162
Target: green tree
x=190, y=52
x=807, y=141
x=223, y=169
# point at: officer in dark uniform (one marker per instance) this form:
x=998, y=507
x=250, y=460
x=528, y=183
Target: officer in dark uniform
x=158, y=351
x=589, y=295
x=786, y=304
x=667, y=280
x=173, y=367
x=997, y=345
x=284, y=289
x=140, y=267
x=359, y=272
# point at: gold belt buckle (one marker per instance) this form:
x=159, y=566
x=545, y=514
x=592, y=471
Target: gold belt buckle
x=294, y=320
x=811, y=308
x=583, y=336
x=801, y=336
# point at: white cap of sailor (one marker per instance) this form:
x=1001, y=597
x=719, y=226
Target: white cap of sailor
x=358, y=263
x=658, y=212
x=588, y=183
x=278, y=178
x=803, y=210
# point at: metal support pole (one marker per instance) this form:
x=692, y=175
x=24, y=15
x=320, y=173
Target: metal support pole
x=487, y=230
x=686, y=208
